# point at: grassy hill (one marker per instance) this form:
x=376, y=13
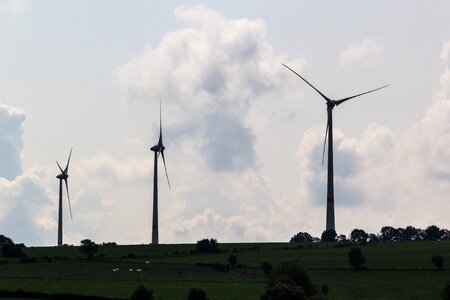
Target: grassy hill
x=401, y=270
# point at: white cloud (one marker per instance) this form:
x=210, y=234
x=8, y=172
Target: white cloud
x=445, y=52
x=16, y=7
x=364, y=53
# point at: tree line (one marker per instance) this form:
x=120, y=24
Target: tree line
x=386, y=234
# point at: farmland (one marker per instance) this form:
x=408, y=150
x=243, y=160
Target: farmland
x=400, y=270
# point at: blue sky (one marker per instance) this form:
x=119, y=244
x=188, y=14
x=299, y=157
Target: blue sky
x=243, y=135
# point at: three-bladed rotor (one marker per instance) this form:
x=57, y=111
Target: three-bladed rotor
x=63, y=176
x=332, y=103
x=159, y=148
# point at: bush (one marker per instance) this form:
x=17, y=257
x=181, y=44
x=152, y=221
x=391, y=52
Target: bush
x=438, y=261
x=266, y=268
x=12, y=250
x=232, y=260
x=291, y=273
x=89, y=248
x=283, y=291
x=301, y=237
x=207, y=246
x=197, y=294
x=356, y=258
x=445, y=293
x=142, y=293
x=329, y=235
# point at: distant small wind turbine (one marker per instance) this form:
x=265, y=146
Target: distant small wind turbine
x=330, y=224
x=158, y=149
x=63, y=176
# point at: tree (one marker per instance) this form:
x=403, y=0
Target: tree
x=12, y=250
x=283, y=291
x=197, y=294
x=232, y=260
x=266, y=267
x=89, y=248
x=410, y=233
x=359, y=236
x=329, y=235
x=301, y=237
x=342, y=238
x=445, y=293
x=207, y=246
x=389, y=234
x=4, y=240
x=438, y=261
x=291, y=273
x=373, y=238
x=142, y=293
x=356, y=258
x=433, y=233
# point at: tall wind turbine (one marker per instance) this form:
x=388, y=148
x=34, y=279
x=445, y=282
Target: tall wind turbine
x=330, y=224
x=158, y=149
x=63, y=176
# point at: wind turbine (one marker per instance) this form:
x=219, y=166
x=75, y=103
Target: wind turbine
x=158, y=149
x=330, y=224
x=63, y=176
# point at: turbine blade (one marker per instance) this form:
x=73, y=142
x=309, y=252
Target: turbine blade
x=351, y=97
x=325, y=142
x=160, y=126
x=165, y=168
x=59, y=167
x=68, y=198
x=325, y=97
x=68, y=161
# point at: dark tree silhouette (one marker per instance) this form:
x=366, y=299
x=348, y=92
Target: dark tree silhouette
x=142, y=293
x=373, y=238
x=207, y=246
x=438, y=261
x=301, y=237
x=232, y=260
x=389, y=234
x=283, y=291
x=89, y=248
x=329, y=236
x=445, y=293
x=197, y=294
x=411, y=233
x=432, y=233
x=291, y=273
x=266, y=267
x=12, y=250
x=4, y=240
x=359, y=236
x=356, y=258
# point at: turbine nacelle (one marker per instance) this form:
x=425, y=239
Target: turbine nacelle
x=158, y=148
x=62, y=176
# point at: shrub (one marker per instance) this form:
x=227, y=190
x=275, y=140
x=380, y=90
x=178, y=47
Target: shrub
x=89, y=248
x=329, y=235
x=283, y=291
x=142, y=293
x=445, y=293
x=356, y=258
x=438, y=261
x=266, y=268
x=232, y=260
x=12, y=250
x=291, y=273
x=197, y=294
x=207, y=246
x=301, y=237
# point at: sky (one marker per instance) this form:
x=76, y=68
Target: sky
x=243, y=135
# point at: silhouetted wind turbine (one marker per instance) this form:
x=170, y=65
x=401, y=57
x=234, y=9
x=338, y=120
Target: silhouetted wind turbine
x=63, y=176
x=330, y=224
x=158, y=149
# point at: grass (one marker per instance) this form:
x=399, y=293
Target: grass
x=400, y=270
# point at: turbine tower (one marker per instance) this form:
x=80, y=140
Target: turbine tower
x=63, y=176
x=330, y=224
x=158, y=149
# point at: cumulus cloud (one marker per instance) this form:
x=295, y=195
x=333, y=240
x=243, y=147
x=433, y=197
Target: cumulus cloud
x=385, y=177
x=211, y=71
x=16, y=7
x=364, y=53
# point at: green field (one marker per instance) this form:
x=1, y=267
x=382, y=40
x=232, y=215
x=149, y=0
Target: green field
x=401, y=270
